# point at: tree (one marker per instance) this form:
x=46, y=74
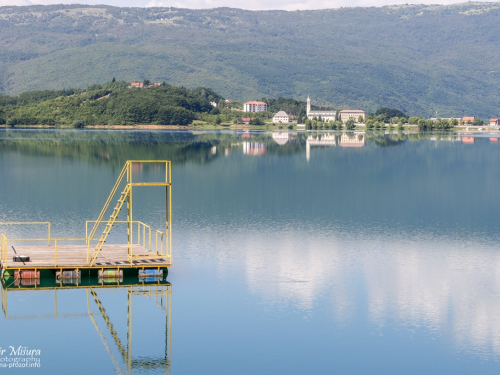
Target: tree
x=218, y=120
x=361, y=119
x=413, y=120
x=443, y=124
x=146, y=82
x=349, y=124
x=79, y=123
x=385, y=113
x=256, y=121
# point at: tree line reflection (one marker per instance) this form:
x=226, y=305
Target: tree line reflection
x=181, y=146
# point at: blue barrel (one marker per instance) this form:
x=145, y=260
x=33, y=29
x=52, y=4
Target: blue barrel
x=147, y=272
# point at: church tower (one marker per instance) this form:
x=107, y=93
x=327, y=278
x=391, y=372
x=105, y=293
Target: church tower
x=308, y=105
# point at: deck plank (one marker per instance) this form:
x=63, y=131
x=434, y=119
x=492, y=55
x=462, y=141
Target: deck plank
x=76, y=256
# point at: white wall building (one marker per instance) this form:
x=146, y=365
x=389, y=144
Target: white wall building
x=323, y=115
x=254, y=107
x=281, y=118
x=348, y=114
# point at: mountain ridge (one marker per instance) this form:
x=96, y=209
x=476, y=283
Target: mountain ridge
x=418, y=58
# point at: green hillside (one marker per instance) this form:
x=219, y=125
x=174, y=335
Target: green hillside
x=113, y=103
x=421, y=59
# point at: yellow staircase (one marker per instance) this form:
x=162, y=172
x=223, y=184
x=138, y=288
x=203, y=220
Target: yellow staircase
x=163, y=240
x=122, y=199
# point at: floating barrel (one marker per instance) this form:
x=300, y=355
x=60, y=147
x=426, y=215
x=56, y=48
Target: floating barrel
x=110, y=273
x=110, y=280
x=26, y=282
x=152, y=279
x=71, y=280
x=26, y=274
x=68, y=274
x=147, y=272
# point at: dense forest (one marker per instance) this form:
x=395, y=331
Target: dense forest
x=422, y=59
x=113, y=103
x=117, y=103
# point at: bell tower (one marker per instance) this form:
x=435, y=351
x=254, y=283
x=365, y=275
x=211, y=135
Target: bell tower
x=308, y=109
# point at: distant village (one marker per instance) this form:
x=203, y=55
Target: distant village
x=357, y=116
x=354, y=116
x=282, y=117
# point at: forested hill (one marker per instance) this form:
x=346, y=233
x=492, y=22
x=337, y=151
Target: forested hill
x=113, y=103
x=421, y=59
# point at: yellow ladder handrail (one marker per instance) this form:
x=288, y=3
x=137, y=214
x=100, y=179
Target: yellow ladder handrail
x=3, y=246
x=110, y=198
x=126, y=196
x=109, y=225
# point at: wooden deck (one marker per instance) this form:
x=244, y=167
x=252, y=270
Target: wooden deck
x=75, y=256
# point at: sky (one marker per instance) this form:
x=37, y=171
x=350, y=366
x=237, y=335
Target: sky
x=243, y=4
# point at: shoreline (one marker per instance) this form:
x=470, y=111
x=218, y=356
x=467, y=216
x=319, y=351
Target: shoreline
x=268, y=127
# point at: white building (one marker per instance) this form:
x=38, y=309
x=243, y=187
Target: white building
x=323, y=115
x=348, y=114
x=281, y=118
x=254, y=107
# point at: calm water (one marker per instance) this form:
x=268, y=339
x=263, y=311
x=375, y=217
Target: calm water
x=368, y=254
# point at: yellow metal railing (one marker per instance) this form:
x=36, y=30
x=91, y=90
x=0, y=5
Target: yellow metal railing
x=144, y=239
x=128, y=170
x=32, y=223
x=162, y=245
x=144, y=234
x=3, y=249
x=124, y=171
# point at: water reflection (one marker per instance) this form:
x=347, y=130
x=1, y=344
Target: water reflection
x=449, y=288
x=126, y=334
x=378, y=232
x=254, y=148
x=111, y=147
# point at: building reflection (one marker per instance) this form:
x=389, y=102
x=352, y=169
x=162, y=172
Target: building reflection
x=281, y=138
x=325, y=140
x=254, y=148
x=157, y=291
x=356, y=139
x=346, y=139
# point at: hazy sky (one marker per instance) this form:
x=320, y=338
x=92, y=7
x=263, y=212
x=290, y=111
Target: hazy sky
x=244, y=4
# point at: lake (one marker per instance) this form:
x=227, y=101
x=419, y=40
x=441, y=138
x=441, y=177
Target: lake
x=296, y=253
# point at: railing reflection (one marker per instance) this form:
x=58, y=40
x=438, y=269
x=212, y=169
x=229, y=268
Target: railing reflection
x=119, y=352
